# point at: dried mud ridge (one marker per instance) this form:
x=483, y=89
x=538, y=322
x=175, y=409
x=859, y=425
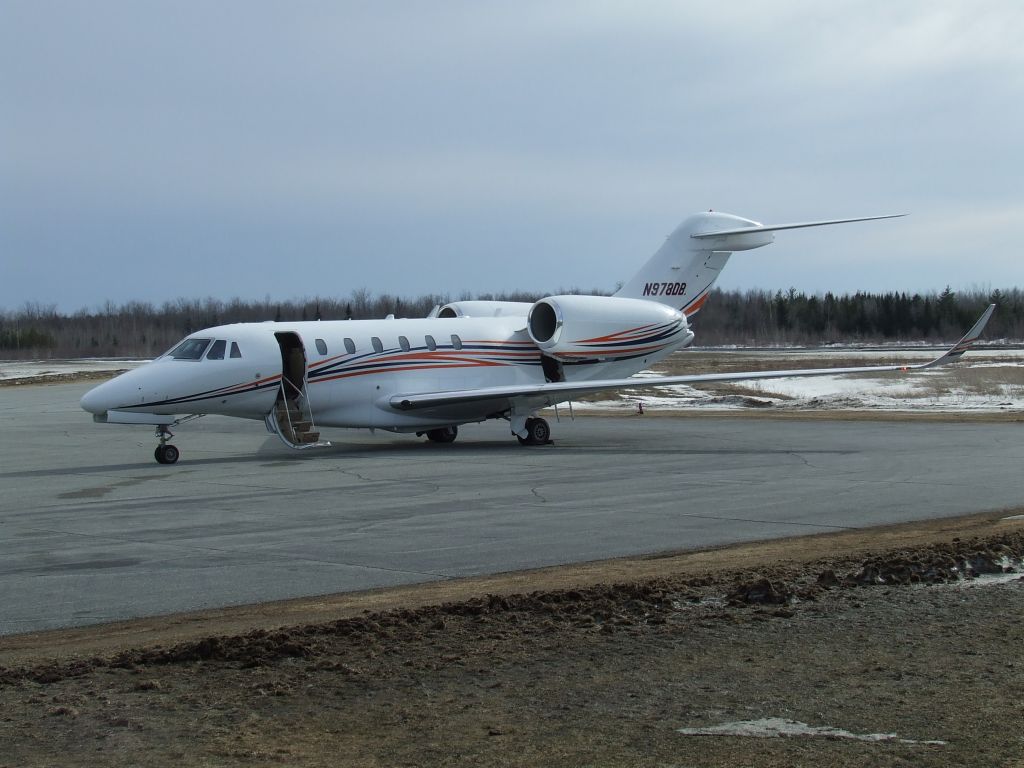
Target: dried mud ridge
x=771, y=592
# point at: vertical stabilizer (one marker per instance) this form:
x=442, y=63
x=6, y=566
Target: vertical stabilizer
x=683, y=270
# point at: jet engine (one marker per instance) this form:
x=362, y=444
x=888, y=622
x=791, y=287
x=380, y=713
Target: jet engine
x=604, y=327
x=485, y=309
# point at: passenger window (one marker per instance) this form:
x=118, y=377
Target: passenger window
x=456, y=341
x=377, y=346
x=403, y=343
x=217, y=350
x=350, y=346
x=321, y=346
x=235, y=351
x=431, y=344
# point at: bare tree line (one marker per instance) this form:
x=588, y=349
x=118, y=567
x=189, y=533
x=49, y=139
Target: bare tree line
x=792, y=317
x=756, y=317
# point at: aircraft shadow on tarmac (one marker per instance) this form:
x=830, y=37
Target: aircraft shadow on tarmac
x=271, y=455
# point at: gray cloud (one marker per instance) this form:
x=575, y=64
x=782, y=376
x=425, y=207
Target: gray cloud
x=164, y=149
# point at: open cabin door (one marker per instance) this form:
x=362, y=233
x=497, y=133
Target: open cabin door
x=292, y=416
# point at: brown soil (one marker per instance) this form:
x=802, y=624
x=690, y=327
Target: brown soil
x=599, y=664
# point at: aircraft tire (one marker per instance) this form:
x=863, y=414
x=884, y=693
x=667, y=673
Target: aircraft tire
x=538, y=432
x=166, y=454
x=443, y=435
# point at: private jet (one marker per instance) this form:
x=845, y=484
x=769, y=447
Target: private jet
x=467, y=362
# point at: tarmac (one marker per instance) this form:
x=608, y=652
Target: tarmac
x=93, y=530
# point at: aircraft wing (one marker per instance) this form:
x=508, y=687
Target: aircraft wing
x=550, y=393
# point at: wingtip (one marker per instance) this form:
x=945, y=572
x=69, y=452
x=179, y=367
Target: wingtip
x=958, y=349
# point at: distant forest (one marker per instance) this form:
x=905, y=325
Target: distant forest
x=762, y=318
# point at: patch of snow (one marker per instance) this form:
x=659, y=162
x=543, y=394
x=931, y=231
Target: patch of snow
x=911, y=351
x=989, y=580
x=774, y=727
x=41, y=369
x=935, y=389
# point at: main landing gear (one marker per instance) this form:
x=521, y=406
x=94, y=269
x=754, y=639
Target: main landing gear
x=537, y=432
x=443, y=435
x=165, y=453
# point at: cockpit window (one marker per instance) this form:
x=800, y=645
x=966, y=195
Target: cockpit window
x=235, y=351
x=190, y=349
x=217, y=350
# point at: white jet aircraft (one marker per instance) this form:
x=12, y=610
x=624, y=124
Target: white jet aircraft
x=469, y=361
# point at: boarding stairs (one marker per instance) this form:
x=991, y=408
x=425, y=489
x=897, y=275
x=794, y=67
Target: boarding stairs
x=292, y=419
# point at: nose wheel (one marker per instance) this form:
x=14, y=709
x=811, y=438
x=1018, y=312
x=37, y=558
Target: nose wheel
x=165, y=453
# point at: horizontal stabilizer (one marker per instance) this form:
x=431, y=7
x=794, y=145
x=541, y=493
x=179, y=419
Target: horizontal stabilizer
x=799, y=225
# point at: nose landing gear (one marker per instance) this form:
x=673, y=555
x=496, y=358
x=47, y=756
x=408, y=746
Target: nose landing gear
x=165, y=453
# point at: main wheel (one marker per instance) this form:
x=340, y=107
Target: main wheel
x=166, y=454
x=443, y=435
x=537, y=433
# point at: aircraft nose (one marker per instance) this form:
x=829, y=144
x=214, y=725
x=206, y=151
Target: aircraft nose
x=96, y=400
x=116, y=393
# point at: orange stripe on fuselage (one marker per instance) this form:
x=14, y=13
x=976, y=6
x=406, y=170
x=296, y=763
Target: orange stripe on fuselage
x=617, y=335
x=397, y=369
x=696, y=305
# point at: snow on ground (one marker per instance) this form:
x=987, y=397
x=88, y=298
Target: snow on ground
x=774, y=727
x=41, y=369
x=993, y=381
x=905, y=392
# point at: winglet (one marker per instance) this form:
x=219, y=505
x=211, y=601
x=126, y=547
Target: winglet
x=954, y=352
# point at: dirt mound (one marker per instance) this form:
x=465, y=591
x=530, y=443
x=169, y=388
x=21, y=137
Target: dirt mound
x=942, y=563
x=604, y=608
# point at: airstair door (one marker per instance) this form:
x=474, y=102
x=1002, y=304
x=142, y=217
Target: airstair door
x=292, y=416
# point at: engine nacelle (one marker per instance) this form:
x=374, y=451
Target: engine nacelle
x=605, y=327
x=485, y=309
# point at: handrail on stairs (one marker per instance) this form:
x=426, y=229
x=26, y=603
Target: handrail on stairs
x=291, y=438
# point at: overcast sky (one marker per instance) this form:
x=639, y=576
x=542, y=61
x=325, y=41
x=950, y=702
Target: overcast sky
x=154, y=150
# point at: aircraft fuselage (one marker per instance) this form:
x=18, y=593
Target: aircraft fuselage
x=348, y=370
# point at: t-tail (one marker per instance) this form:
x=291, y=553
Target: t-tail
x=685, y=268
